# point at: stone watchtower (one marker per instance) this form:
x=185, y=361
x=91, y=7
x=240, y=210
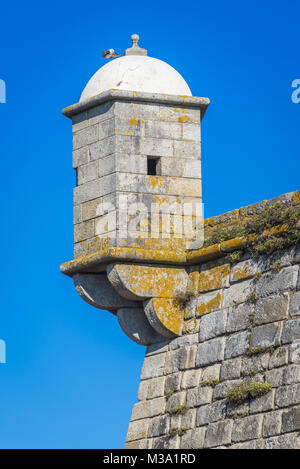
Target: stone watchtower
x=137, y=202
x=221, y=320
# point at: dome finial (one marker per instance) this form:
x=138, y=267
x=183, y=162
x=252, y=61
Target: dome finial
x=135, y=49
x=135, y=39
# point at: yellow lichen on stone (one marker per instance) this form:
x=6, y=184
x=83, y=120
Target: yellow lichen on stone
x=169, y=314
x=252, y=237
x=233, y=244
x=147, y=281
x=296, y=197
x=155, y=181
x=245, y=270
x=190, y=326
x=214, y=278
x=133, y=121
x=276, y=229
x=183, y=119
x=203, y=254
x=193, y=282
x=211, y=304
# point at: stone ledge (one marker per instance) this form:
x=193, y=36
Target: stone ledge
x=113, y=95
x=98, y=261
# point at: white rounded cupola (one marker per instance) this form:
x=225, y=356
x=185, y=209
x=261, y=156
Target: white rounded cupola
x=135, y=71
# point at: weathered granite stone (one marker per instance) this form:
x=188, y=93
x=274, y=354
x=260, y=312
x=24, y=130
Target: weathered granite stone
x=236, y=344
x=211, y=373
x=236, y=410
x=190, y=378
x=208, y=302
x=97, y=291
x=243, y=270
x=296, y=255
x=210, y=352
x=231, y=369
x=279, y=357
x=172, y=382
x=294, y=352
x=272, y=423
x=255, y=364
x=275, y=377
x=291, y=331
x=135, y=325
x=287, y=441
x=212, y=325
x=186, y=420
x=295, y=304
x=252, y=444
x=159, y=426
x=291, y=374
x=199, y=396
x=221, y=390
x=138, y=429
x=239, y=317
x=291, y=420
x=274, y=283
x=193, y=439
x=159, y=347
x=153, y=366
x=238, y=293
x=176, y=360
x=177, y=399
x=262, y=403
x=266, y=336
x=151, y=388
x=80, y=156
x=148, y=408
x=211, y=413
x=180, y=359
x=166, y=442
x=271, y=309
x=85, y=136
x=213, y=278
x=88, y=172
x=218, y=433
x=247, y=428
x=288, y=395
x=138, y=444
x=184, y=341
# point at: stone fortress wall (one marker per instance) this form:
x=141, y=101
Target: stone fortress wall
x=221, y=320
x=232, y=379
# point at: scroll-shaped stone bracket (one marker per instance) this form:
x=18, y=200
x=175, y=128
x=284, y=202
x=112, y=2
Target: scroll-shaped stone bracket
x=136, y=326
x=97, y=291
x=155, y=286
x=165, y=316
x=142, y=296
x=140, y=282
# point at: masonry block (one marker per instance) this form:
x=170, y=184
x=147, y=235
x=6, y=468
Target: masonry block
x=210, y=352
x=218, y=433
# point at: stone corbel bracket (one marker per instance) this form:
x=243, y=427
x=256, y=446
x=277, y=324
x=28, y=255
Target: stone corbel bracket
x=143, y=297
x=141, y=286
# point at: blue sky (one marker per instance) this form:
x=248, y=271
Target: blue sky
x=71, y=375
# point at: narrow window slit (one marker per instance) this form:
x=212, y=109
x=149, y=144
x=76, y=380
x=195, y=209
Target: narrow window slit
x=152, y=166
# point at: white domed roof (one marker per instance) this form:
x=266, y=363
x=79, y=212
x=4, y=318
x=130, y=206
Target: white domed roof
x=136, y=73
